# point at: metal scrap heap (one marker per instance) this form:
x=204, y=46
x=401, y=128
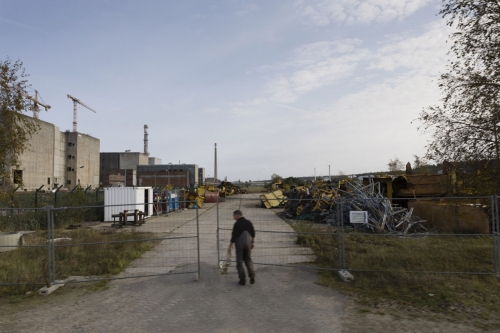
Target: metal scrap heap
x=326, y=204
x=229, y=188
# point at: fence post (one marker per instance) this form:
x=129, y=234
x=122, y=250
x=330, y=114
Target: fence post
x=495, y=218
x=218, y=236
x=53, y=253
x=55, y=195
x=340, y=227
x=50, y=243
x=198, y=241
x=36, y=197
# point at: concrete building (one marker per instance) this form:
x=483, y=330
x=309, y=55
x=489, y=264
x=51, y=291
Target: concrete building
x=56, y=158
x=185, y=175
x=115, y=166
x=154, y=161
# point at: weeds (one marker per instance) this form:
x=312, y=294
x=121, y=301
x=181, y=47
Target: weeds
x=392, y=269
x=27, y=265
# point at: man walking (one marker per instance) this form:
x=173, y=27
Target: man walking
x=243, y=236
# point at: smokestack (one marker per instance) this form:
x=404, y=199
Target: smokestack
x=215, y=164
x=146, y=140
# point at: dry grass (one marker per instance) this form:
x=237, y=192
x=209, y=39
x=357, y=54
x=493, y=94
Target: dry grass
x=472, y=297
x=28, y=265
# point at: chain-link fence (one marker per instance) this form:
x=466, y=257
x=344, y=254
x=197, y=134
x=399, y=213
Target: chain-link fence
x=44, y=246
x=277, y=242
x=425, y=235
x=496, y=233
x=24, y=250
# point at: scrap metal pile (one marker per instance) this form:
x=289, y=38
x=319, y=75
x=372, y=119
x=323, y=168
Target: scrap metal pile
x=229, y=188
x=209, y=193
x=323, y=202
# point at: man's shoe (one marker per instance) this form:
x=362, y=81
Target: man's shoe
x=252, y=280
x=242, y=282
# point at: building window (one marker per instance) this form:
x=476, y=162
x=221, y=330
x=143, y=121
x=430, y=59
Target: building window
x=68, y=168
x=68, y=182
x=18, y=176
x=71, y=157
x=48, y=180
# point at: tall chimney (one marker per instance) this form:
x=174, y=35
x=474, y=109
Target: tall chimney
x=215, y=164
x=146, y=140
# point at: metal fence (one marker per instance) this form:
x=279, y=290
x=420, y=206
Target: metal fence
x=44, y=247
x=456, y=235
x=277, y=242
x=496, y=233
x=50, y=245
x=56, y=198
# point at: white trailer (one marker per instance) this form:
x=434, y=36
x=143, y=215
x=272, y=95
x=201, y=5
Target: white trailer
x=127, y=198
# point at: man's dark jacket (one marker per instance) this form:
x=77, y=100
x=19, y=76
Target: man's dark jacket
x=240, y=226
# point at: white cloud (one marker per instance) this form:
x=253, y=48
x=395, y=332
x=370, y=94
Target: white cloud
x=314, y=66
x=326, y=12
x=425, y=53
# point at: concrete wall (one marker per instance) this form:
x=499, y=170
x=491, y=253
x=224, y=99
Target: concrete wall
x=452, y=217
x=154, y=161
x=59, y=159
x=52, y=155
x=37, y=162
x=132, y=160
x=87, y=159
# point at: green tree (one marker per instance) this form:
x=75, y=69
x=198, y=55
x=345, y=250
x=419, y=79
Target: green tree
x=466, y=125
x=15, y=128
x=395, y=165
x=420, y=165
x=275, y=178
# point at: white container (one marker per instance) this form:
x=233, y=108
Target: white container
x=128, y=198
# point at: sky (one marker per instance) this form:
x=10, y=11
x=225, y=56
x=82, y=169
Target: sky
x=282, y=86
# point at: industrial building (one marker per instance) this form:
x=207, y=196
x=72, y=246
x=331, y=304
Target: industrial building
x=121, y=168
x=140, y=169
x=177, y=175
x=56, y=158
x=116, y=166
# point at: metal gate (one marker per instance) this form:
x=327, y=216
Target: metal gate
x=336, y=244
x=56, y=251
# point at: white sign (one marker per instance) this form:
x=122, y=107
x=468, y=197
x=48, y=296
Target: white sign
x=358, y=217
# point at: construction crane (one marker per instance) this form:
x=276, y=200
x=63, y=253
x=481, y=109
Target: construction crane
x=34, y=99
x=75, y=102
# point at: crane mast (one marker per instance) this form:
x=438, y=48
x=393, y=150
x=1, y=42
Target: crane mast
x=76, y=101
x=35, y=100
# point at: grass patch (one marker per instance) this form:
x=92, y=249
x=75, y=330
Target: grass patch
x=472, y=296
x=255, y=189
x=28, y=265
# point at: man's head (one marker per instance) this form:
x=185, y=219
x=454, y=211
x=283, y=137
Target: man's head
x=237, y=214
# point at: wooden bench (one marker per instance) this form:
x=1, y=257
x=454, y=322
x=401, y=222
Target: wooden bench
x=139, y=218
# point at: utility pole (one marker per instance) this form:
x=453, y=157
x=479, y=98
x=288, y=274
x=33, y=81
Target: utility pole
x=215, y=164
x=329, y=177
x=314, y=174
